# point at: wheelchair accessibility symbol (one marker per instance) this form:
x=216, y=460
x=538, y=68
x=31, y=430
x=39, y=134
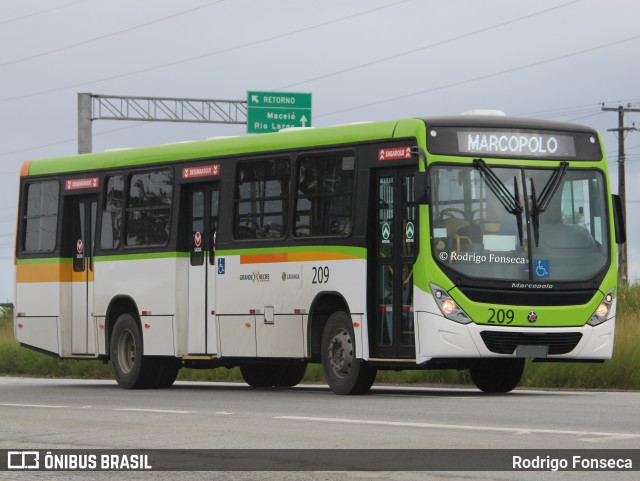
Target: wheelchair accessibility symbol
x=542, y=268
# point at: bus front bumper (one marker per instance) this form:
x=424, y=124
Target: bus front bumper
x=438, y=337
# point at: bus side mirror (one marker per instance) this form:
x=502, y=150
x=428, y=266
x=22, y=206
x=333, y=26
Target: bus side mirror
x=618, y=219
x=421, y=188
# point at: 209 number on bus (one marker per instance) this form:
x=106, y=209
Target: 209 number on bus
x=320, y=275
x=500, y=316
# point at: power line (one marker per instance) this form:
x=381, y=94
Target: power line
x=59, y=7
x=426, y=47
x=75, y=139
x=109, y=35
x=205, y=55
x=481, y=77
x=567, y=109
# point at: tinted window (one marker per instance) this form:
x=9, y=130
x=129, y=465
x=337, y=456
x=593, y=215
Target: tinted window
x=149, y=208
x=41, y=217
x=262, y=199
x=112, y=213
x=325, y=195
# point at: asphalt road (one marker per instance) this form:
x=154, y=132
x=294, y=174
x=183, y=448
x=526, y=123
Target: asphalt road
x=81, y=414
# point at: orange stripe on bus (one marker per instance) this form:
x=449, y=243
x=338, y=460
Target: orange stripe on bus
x=54, y=272
x=263, y=258
x=24, y=170
x=294, y=257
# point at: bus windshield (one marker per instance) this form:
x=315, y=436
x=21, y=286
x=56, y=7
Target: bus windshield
x=519, y=224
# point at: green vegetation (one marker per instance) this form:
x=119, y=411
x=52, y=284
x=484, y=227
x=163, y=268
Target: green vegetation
x=619, y=373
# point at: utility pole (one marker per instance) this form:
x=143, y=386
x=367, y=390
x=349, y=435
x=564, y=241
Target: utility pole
x=621, y=130
x=154, y=109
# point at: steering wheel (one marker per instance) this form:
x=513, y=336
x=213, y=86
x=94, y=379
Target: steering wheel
x=477, y=213
x=449, y=211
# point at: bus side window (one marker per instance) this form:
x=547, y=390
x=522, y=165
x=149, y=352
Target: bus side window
x=148, y=208
x=324, y=197
x=40, y=218
x=262, y=199
x=111, y=227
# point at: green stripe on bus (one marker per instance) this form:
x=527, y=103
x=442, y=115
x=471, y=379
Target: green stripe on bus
x=360, y=252
x=46, y=260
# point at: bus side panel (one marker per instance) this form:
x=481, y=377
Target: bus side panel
x=279, y=288
x=280, y=336
x=37, y=311
x=155, y=297
x=40, y=332
x=158, y=336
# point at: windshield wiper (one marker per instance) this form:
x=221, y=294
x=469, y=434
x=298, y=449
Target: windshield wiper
x=540, y=204
x=510, y=202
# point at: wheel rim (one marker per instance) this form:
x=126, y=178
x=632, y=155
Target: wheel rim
x=341, y=353
x=126, y=351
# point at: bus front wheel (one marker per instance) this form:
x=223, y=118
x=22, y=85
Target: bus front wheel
x=344, y=372
x=497, y=375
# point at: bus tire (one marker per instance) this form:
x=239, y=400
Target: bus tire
x=497, y=375
x=290, y=374
x=259, y=375
x=344, y=372
x=130, y=368
x=166, y=371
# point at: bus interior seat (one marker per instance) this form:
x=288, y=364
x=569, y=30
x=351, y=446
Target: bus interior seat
x=566, y=236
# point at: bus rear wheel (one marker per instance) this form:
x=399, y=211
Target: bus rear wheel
x=130, y=368
x=166, y=371
x=497, y=375
x=344, y=372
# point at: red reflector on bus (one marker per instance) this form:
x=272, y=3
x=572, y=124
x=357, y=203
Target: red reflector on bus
x=356, y=324
x=247, y=324
x=20, y=326
x=252, y=311
x=101, y=326
x=145, y=313
x=147, y=326
x=20, y=314
x=297, y=311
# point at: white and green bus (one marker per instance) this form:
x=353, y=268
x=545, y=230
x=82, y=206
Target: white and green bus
x=462, y=242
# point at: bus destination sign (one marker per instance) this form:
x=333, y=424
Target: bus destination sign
x=541, y=144
x=516, y=144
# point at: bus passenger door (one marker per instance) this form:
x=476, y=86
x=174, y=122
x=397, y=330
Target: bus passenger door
x=395, y=243
x=203, y=223
x=82, y=242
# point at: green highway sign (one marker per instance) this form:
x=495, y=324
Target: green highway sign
x=273, y=111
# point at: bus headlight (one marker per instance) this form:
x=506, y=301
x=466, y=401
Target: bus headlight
x=448, y=306
x=603, y=310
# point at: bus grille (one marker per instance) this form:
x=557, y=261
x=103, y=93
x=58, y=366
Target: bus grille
x=507, y=342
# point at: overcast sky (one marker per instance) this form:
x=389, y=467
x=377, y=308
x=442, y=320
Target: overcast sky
x=361, y=60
